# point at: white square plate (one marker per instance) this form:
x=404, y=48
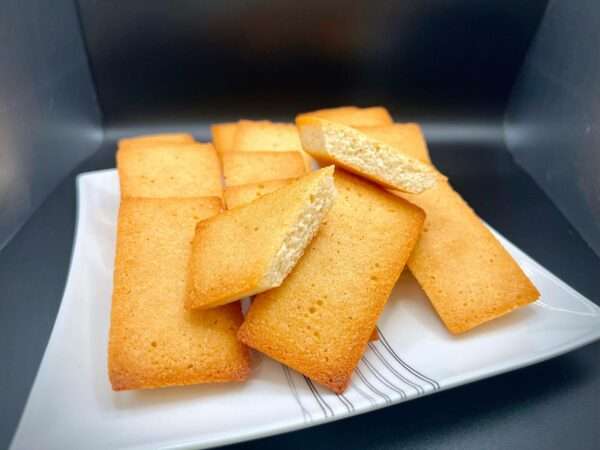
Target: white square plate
x=72, y=405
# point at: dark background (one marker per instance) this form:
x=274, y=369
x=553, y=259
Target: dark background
x=74, y=76
x=205, y=60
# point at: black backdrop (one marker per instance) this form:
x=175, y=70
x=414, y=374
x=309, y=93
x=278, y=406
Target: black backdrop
x=207, y=59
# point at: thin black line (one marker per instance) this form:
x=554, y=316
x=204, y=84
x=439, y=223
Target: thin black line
x=382, y=378
x=417, y=387
x=415, y=372
x=344, y=401
x=373, y=388
x=322, y=399
x=412, y=370
x=292, y=385
x=315, y=396
x=364, y=394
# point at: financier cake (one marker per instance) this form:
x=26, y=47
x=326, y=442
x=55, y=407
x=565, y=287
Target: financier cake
x=467, y=274
x=223, y=135
x=255, y=167
x=170, y=170
x=353, y=116
x=266, y=136
x=242, y=195
x=247, y=193
x=154, y=342
x=250, y=249
x=331, y=142
x=406, y=137
x=154, y=139
x=320, y=319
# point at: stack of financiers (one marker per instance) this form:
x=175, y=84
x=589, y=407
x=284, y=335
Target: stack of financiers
x=201, y=228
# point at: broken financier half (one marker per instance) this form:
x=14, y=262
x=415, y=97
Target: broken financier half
x=250, y=249
x=353, y=150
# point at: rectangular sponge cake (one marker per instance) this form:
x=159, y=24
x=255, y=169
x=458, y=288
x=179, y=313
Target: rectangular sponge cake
x=466, y=273
x=260, y=136
x=170, y=170
x=247, y=193
x=406, y=137
x=332, y=142
x=320, y=319
x=353, y=116
x=223, y=135
x=154, y=342
x=266, y=136
x=242, y=195
x=156, y=139
x=250, y=249
x=255, y=167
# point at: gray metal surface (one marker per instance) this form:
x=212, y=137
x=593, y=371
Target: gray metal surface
x=49, y=119
x=553, y=121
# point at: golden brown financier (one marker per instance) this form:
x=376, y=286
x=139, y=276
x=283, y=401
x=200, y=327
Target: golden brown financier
x=406, y=137
x=320, y=319
x=242, y=195
x=154, y=342
x=353, y=116
x=267, y=136
x=256, y=167
x=250, y=249
x=247, y=193
x=466, y=273
x=156, y=139
x=335, y=143
x=223, y=135
x=170, y=170
x=264, y=135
